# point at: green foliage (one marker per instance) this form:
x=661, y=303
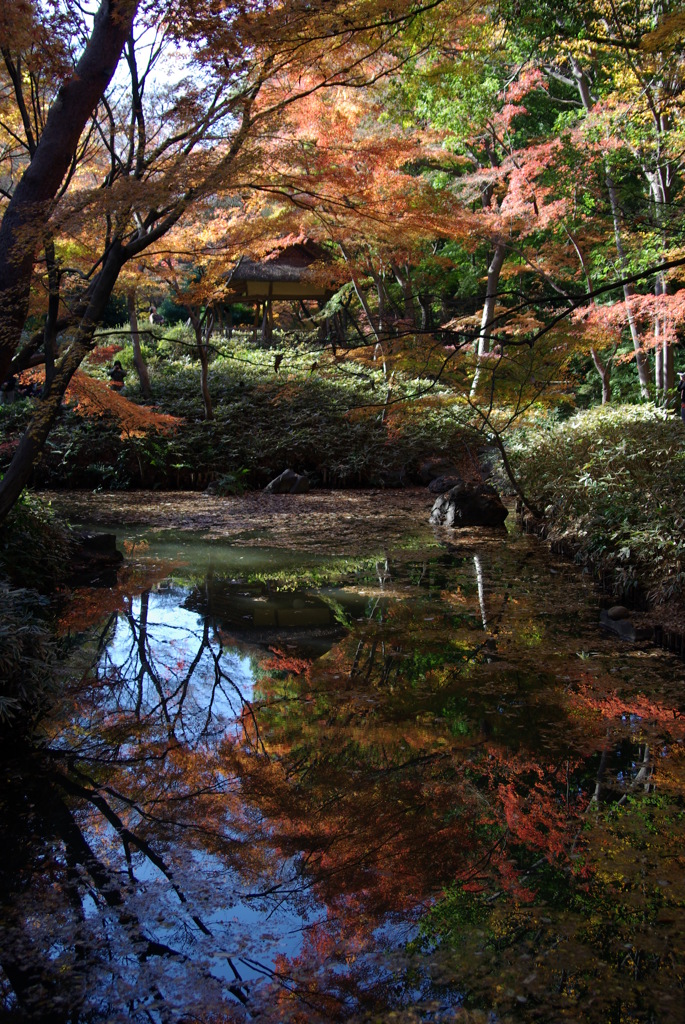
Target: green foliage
x=612, y=481
x=34, y=546
x=446, y=920
x=34, y=554
x=27, y=655
x=327, y=423
x=116, y=311
x=89, y=452
x=231, y=483
x=172, y=313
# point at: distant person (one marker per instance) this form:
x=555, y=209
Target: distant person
x=680, y=386
x=117, y=376
x=155, y=317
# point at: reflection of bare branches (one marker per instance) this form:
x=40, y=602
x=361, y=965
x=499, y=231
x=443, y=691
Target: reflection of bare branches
x=85, y=871
x=140, y=670
x=110, y=891
x=294, y=988
x=221, y=675
x=642, y=777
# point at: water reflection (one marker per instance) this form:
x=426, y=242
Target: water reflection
x=423, y=785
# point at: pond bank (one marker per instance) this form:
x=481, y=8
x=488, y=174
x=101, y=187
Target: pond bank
x=610, y=484
x=349, y=520
x=303, y=521
x=663, y=624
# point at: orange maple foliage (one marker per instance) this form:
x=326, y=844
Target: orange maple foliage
x=93, y=397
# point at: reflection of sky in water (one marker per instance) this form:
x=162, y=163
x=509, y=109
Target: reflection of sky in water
x=251, y=925
x=424, y=667
x=202, y=684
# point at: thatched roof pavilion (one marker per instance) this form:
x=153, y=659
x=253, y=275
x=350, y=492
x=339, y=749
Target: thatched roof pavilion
x=283, y=274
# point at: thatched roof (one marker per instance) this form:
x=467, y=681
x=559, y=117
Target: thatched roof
x=283, y=274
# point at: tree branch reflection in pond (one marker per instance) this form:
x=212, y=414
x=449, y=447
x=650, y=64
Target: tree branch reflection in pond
x=394, y=815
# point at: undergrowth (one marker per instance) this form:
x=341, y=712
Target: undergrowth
x=330, y=421
x=34, y=559
x=611, y=480
x=35, y=546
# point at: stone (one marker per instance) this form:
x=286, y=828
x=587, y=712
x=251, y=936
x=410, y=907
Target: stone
x=94, y=559
x=618, y=611
x=431, y=469
x=443, y=483
x=100, y=544
x=624, y=627
x=288, y=482
x=469, y=505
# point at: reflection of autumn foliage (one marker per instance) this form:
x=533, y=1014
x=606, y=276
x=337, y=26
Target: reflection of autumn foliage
x=93, y=397
x=599, y=703
x=284, y=661
x=87, y=606
x=423, y=755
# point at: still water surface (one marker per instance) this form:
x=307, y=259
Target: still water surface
x=416, y=784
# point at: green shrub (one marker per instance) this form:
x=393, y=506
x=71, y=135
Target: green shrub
x=612, y=479
x=326, y=423
x=34, y=546
x=28, y=655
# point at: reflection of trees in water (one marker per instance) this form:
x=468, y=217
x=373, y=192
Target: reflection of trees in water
x=423, y=751
x=180, y=680
x=114, y=910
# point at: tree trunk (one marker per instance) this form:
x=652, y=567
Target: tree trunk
x=204, y=383
x=604, y=371
x=426, y=315
x=640, y=356
x=382, y=295
x=267, y=325
x=50, y=329
x=669, y=369
x=628, y=290
x=31, y=445
x=404, y=281
x=138, y=361
x=487, y=320
x=24, y=220
x=204, y=365
x=360, y=294
x=660, y=343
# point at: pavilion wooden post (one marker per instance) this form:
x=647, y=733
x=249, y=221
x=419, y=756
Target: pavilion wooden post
x=268, y=318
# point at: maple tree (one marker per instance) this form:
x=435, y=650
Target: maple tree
x=153, y=151
x=491, y=150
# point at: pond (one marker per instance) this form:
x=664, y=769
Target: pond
x=410, y=782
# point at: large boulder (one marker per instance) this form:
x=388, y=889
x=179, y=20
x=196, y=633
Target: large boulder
x=617, y=620
x=431, y=469
x=288, y=482
x=469, y=505
x=441, y=484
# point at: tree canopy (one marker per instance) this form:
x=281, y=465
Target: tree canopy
x=497, y=186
